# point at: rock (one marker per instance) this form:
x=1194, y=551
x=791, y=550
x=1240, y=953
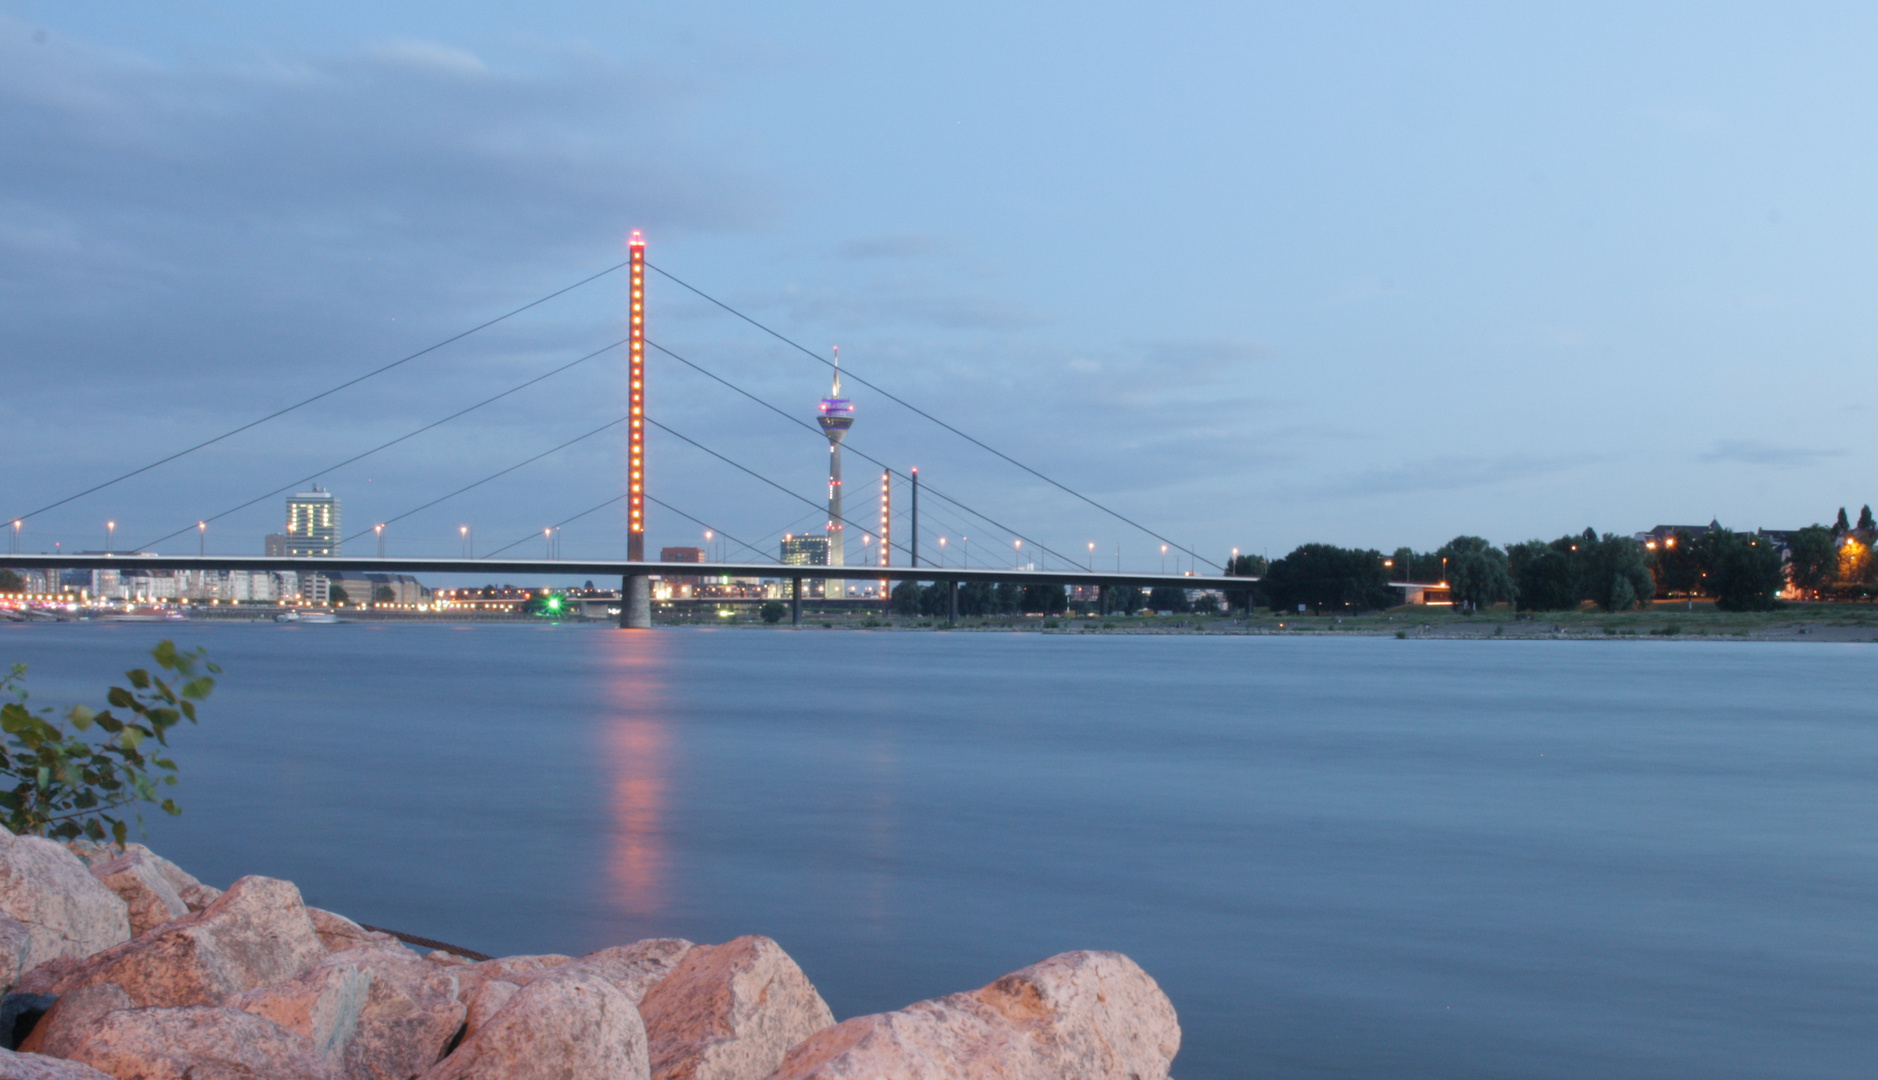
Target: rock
x=730, y=1012
x=16, y=949
x=147, y=893
x=196, y=1043
x=66, y=911
x=72, y=1017
x=413, y=1012
x=1075, y=1016
x=197, y=897
x=256, y=934
x=338, y=933
x=635, y=968
x=516, y=969
x=561, y=1026
x=91, y=852
x=34, y=1067
x=321, y=1006
x=485, y=1003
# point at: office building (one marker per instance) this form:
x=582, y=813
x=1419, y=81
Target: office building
x=313, y=523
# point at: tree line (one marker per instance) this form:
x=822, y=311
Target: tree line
x=1739, y=571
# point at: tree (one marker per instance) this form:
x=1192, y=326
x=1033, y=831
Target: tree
x=1477, y=571
x=11, y=582
x=384, y=594
x=905, y=598
x=1006, y=598
x=1544, y=574
x=1813, y=559
x=1615, y=573
x=1323, y=577
x=1045, y=599
x=1744, y=571
x=336, y=594
x=1409, y=565
x=1125, y=599
x=772, y=611
x=1865, y=524
x=72, y=783
x=1168, y=598
x=977, y=598
x=1675, y=567
x=1247, y=566
x=1855, y=566
x=1841, y=526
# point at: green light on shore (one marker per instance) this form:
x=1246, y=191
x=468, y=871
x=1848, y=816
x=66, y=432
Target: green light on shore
x=554, y=603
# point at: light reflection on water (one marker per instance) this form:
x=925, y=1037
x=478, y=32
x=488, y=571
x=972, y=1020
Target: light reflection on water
x=639, y=759
x=1358, y=857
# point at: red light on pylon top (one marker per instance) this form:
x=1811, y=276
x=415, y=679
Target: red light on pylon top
x=637, y=240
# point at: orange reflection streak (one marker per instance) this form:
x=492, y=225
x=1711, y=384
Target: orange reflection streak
x=639, y=758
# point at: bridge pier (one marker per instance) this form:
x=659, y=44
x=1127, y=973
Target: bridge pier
x=795, y=602
x=952, y=602
x=1102, y=600
x=635, y=602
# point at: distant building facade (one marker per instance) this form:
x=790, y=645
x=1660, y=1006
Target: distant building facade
x=313, y=523
x=807, y=550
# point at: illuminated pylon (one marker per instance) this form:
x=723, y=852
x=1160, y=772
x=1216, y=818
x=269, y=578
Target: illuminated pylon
x=886, y=518
x=636, y=476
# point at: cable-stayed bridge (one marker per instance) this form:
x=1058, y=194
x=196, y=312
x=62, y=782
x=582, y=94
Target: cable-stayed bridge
x=878, y=541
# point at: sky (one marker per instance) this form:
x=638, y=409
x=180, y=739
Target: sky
x=1248, y=275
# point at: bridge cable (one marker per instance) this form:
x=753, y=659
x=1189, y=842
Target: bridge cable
x=916, y=409
x=859, y=453
x=610, y=502
x=393, y=442
x=322, y=394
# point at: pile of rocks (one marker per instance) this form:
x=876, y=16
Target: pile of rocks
x=119, y=964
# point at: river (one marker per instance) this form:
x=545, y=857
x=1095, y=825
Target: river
x=1358, y=857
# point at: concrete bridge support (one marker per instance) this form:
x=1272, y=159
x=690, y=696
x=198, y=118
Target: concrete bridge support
x=635, y=602
x=795, y=602
x=1102, y=600
x=952, y=602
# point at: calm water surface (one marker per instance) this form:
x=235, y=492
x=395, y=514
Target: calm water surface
x=1362, y=858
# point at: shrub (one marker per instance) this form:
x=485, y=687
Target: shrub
x=773, y=612
x=70, y=783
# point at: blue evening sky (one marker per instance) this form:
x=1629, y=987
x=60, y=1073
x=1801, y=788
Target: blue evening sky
x=1252, y=275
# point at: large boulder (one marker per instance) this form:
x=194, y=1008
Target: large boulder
x=196, y=1043
x=339, y=933
x=73, y=1017
x=147, y=892
x=256, y=934
x=1075, y=1016
x=413, y=1011
x=635, y=968
x=34, y=1067
x=16, y=950
x=571, y=1025
x=322, y=1006
x=730, y=1012
x=65, y=910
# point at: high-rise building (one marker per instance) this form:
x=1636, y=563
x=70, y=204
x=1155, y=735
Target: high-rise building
x=275, y=544
x=807, y=551
x=313, y=523
x=837, y=416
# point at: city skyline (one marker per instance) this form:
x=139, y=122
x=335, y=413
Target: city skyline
x=1401, y=278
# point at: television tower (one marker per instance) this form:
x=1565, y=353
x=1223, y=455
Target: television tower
x=837, y=416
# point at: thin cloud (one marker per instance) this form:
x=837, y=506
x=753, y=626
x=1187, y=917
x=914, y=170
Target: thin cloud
x=1754, y=452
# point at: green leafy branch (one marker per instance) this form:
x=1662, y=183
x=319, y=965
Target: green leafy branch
x=72, y=782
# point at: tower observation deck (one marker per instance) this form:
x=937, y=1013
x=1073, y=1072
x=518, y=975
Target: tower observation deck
x=836, y=417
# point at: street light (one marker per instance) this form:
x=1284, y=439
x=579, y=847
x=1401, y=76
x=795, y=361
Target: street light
x=110, y=532
x=16, y=536
x=1017, y=546
x=202, y=538
x=1092, y=556
x=942, y=551
x=379, y=529
x=1163, y=558
x=464, y=531
x=708, y=534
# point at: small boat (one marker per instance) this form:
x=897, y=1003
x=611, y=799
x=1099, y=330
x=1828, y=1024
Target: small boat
x=316, y=618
